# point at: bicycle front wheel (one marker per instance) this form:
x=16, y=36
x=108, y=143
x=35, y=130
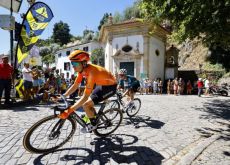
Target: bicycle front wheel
x=108, y=122
x=48, y=134
x=133, y=110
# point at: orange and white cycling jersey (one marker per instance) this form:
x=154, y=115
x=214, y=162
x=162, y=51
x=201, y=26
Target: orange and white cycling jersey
x=95, y=75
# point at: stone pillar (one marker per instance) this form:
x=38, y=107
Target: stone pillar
x=110, y=53
x=146, y=54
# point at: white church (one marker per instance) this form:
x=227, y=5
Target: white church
x=137, y=46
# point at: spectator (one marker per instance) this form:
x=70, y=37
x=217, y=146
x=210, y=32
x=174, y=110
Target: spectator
x=160, y=86
x=27, y=81
x=150, y=87
x=155, y=86
x=35, y=80
x=189, y=87
x=169, y=84
x=200, y=86
x=146, y=86
x=6, y=72
x=175, y=86
x=206, y=85
x=58, y=81
x=179, y=91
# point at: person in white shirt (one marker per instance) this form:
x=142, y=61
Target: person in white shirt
x=207, y=85
x=27, y=81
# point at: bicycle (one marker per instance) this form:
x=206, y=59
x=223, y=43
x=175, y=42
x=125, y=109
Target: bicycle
x=130, y=110
x=56, y=132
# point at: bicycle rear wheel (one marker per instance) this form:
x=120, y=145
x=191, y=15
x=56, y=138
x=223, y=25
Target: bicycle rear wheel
x=48, y=134
x=133, y=110
x=108, y=122
x=113, y=104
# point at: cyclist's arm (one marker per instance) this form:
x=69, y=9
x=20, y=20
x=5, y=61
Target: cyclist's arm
x=80, y=102
x=72, y=89
x=125, y=93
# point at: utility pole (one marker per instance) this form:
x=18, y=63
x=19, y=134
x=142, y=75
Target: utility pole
x=11, y=36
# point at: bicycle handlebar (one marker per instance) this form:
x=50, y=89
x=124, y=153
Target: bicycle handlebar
x=60, y=109
x=65, y=101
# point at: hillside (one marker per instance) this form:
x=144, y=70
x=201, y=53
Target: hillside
x=192, y=54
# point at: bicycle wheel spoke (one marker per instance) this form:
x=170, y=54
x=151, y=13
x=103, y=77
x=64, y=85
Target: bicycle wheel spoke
x=108, y=122
x=133, y=110
x=48, y=134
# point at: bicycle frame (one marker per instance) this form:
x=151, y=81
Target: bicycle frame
x=79, y=120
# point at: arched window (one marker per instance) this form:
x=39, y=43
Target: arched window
x=171, y=60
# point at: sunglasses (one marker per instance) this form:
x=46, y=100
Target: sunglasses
x=75, y=64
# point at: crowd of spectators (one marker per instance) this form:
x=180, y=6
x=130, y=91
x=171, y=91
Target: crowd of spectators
x=174, y=86
x=36, y=81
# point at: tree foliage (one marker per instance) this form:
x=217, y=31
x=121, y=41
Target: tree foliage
x=208, y=20
x=61, y=33
x=97, y=56
x=103, y=20
x=132, y=12
x=48, y=53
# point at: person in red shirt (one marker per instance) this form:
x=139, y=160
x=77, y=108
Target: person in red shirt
x=200, y=86
x=6, y=72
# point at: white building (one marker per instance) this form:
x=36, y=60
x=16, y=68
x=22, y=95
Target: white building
x=137, y=46
x=61, y=57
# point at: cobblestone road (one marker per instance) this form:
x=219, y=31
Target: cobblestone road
x=172, y=130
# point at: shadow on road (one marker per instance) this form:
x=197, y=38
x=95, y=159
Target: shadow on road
x=218, y=111
x=117, y=148
x=143, y=121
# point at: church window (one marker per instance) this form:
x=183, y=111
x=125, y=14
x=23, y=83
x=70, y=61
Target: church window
x=67, y=52
x=171, y=60
x=127, y=48
x=157, y=52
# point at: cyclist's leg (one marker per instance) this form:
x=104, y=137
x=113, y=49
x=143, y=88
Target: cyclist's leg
x=88, y=107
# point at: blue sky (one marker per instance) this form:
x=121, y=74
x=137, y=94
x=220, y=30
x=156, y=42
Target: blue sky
x=78, y=14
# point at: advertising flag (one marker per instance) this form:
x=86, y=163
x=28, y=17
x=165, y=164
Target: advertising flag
x=35, y=21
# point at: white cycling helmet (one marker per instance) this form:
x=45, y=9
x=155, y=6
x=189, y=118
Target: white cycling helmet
x=123, y=71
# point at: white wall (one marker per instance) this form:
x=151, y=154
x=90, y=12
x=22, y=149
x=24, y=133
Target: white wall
x=107, y=56
x=64, y=58
x=156, y=63
x=128, y=40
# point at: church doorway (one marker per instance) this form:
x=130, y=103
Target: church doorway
x=129, y=66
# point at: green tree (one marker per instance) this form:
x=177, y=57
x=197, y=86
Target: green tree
x=48, y=53
x=208, y=20
x=97, y=56
x=132, y=12
x=87, y=36
x=61, y=33
x=103, y=21
x=117, y=17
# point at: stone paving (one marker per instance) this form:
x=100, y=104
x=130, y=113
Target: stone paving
x=172, y=130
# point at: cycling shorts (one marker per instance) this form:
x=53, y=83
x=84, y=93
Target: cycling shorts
x=101, y=93
x=135, y=86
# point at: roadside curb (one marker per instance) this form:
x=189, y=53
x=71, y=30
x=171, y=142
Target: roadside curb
x=194, y=152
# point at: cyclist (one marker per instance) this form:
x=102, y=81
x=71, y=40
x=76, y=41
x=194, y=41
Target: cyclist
x=100, y=85
x=129, y=83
